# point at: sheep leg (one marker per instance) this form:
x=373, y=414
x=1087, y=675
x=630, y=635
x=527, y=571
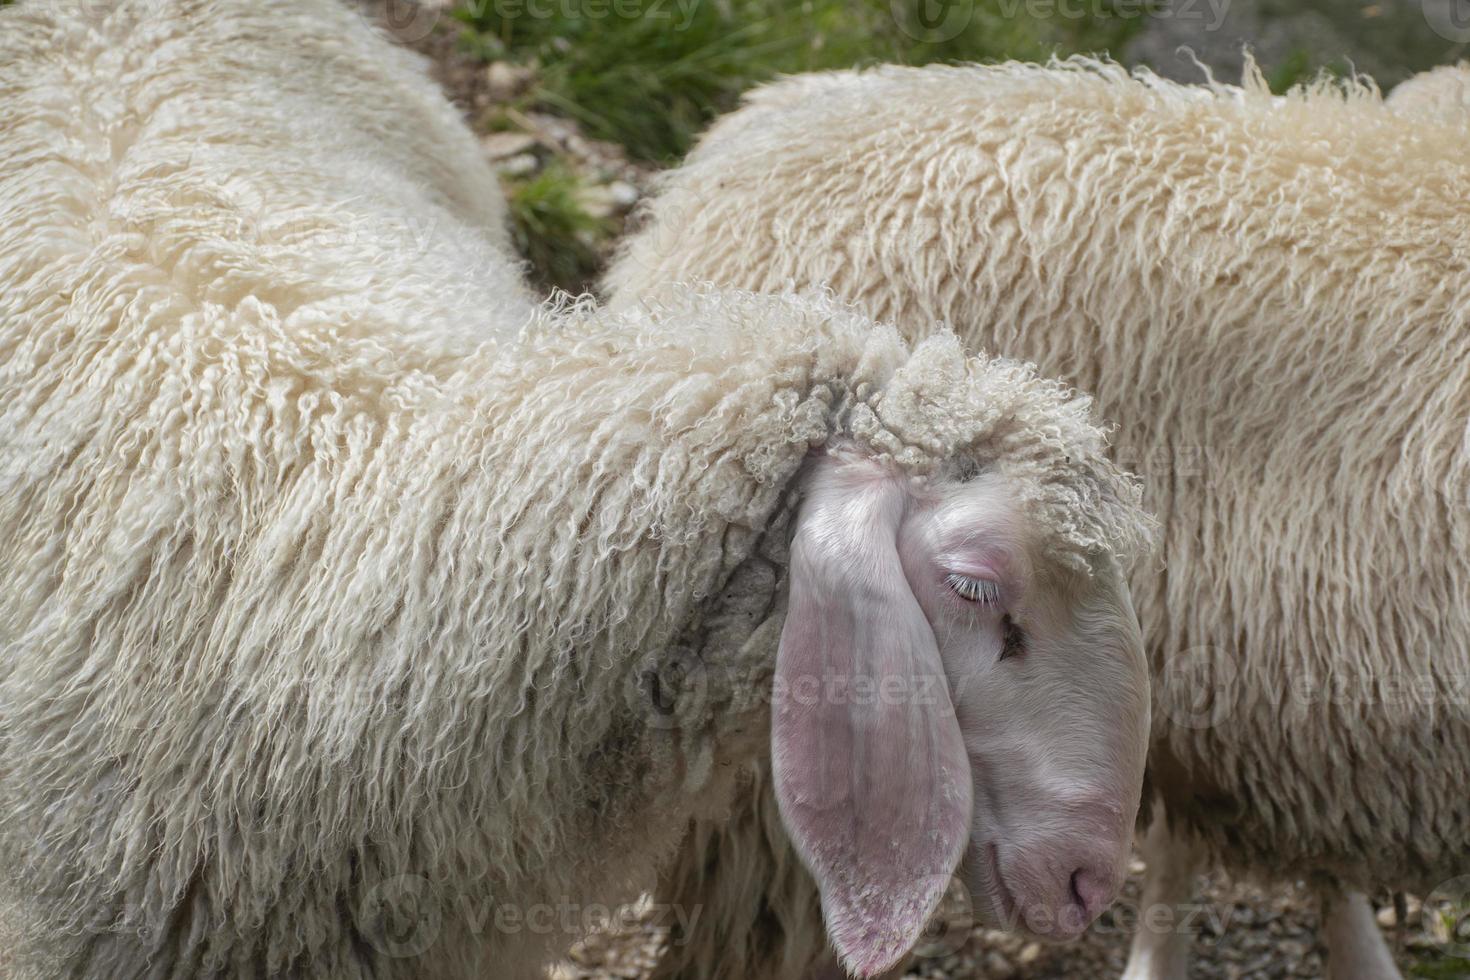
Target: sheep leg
x=1162, y=953
x=1355, y=947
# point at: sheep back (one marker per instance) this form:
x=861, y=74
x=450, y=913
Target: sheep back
x=1270, y=296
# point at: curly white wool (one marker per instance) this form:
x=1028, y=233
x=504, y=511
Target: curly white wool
x=1270, y=295
x=334, y=566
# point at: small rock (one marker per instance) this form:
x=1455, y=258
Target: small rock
x=519, y=165
x=1291, y=949
x=997, y=967
x=505, y=81
x=1431, y=937
x=499, y=146
x=1260, y=965
x=1029, y=954
x=1386, y=918
x=597, y=202
x=623, y=194
x=607, y=200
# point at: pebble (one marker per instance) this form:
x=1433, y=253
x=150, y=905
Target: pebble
x=505, y=81
x=519, y=165
x=604, y=201
x=624, y=194
x=1268, y=935
x=997, y=967
x=499, y=146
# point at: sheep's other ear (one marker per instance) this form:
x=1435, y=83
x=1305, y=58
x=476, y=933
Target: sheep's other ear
x=870, y=769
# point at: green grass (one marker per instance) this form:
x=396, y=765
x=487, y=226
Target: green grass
x=552, y=229
x=1450, y=968
x=1299, y=67
x=653, y=76
x=650, y=75
x=1446, y=923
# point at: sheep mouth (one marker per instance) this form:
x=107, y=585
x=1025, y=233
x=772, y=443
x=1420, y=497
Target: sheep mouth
x=1002, y=899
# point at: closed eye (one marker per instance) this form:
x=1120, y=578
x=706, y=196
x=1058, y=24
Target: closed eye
x=1012, y=639
x=981, y=591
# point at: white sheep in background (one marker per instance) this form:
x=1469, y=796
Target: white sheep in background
x=1440, y=96
x=339, y=583
x=1271, y=298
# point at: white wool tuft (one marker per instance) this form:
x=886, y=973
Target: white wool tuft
x=1440, y=96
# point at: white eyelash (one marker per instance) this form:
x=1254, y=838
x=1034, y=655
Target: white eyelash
x=977, y=590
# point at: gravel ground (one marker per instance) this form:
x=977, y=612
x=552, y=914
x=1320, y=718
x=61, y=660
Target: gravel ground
x=1241, y=932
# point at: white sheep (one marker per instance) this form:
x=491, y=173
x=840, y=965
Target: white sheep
x=1440, y=96
x=360, y=618
x=1270, y=297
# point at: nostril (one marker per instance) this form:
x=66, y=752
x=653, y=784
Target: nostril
x=1090, y=891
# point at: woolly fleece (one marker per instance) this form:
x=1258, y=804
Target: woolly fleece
x=1270, y=296
x=335, y=572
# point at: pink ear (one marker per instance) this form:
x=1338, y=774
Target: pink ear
x=871, y=773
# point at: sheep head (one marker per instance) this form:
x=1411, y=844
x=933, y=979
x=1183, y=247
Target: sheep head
x=947, y=699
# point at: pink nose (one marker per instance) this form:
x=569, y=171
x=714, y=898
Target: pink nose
x=1091, y=891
